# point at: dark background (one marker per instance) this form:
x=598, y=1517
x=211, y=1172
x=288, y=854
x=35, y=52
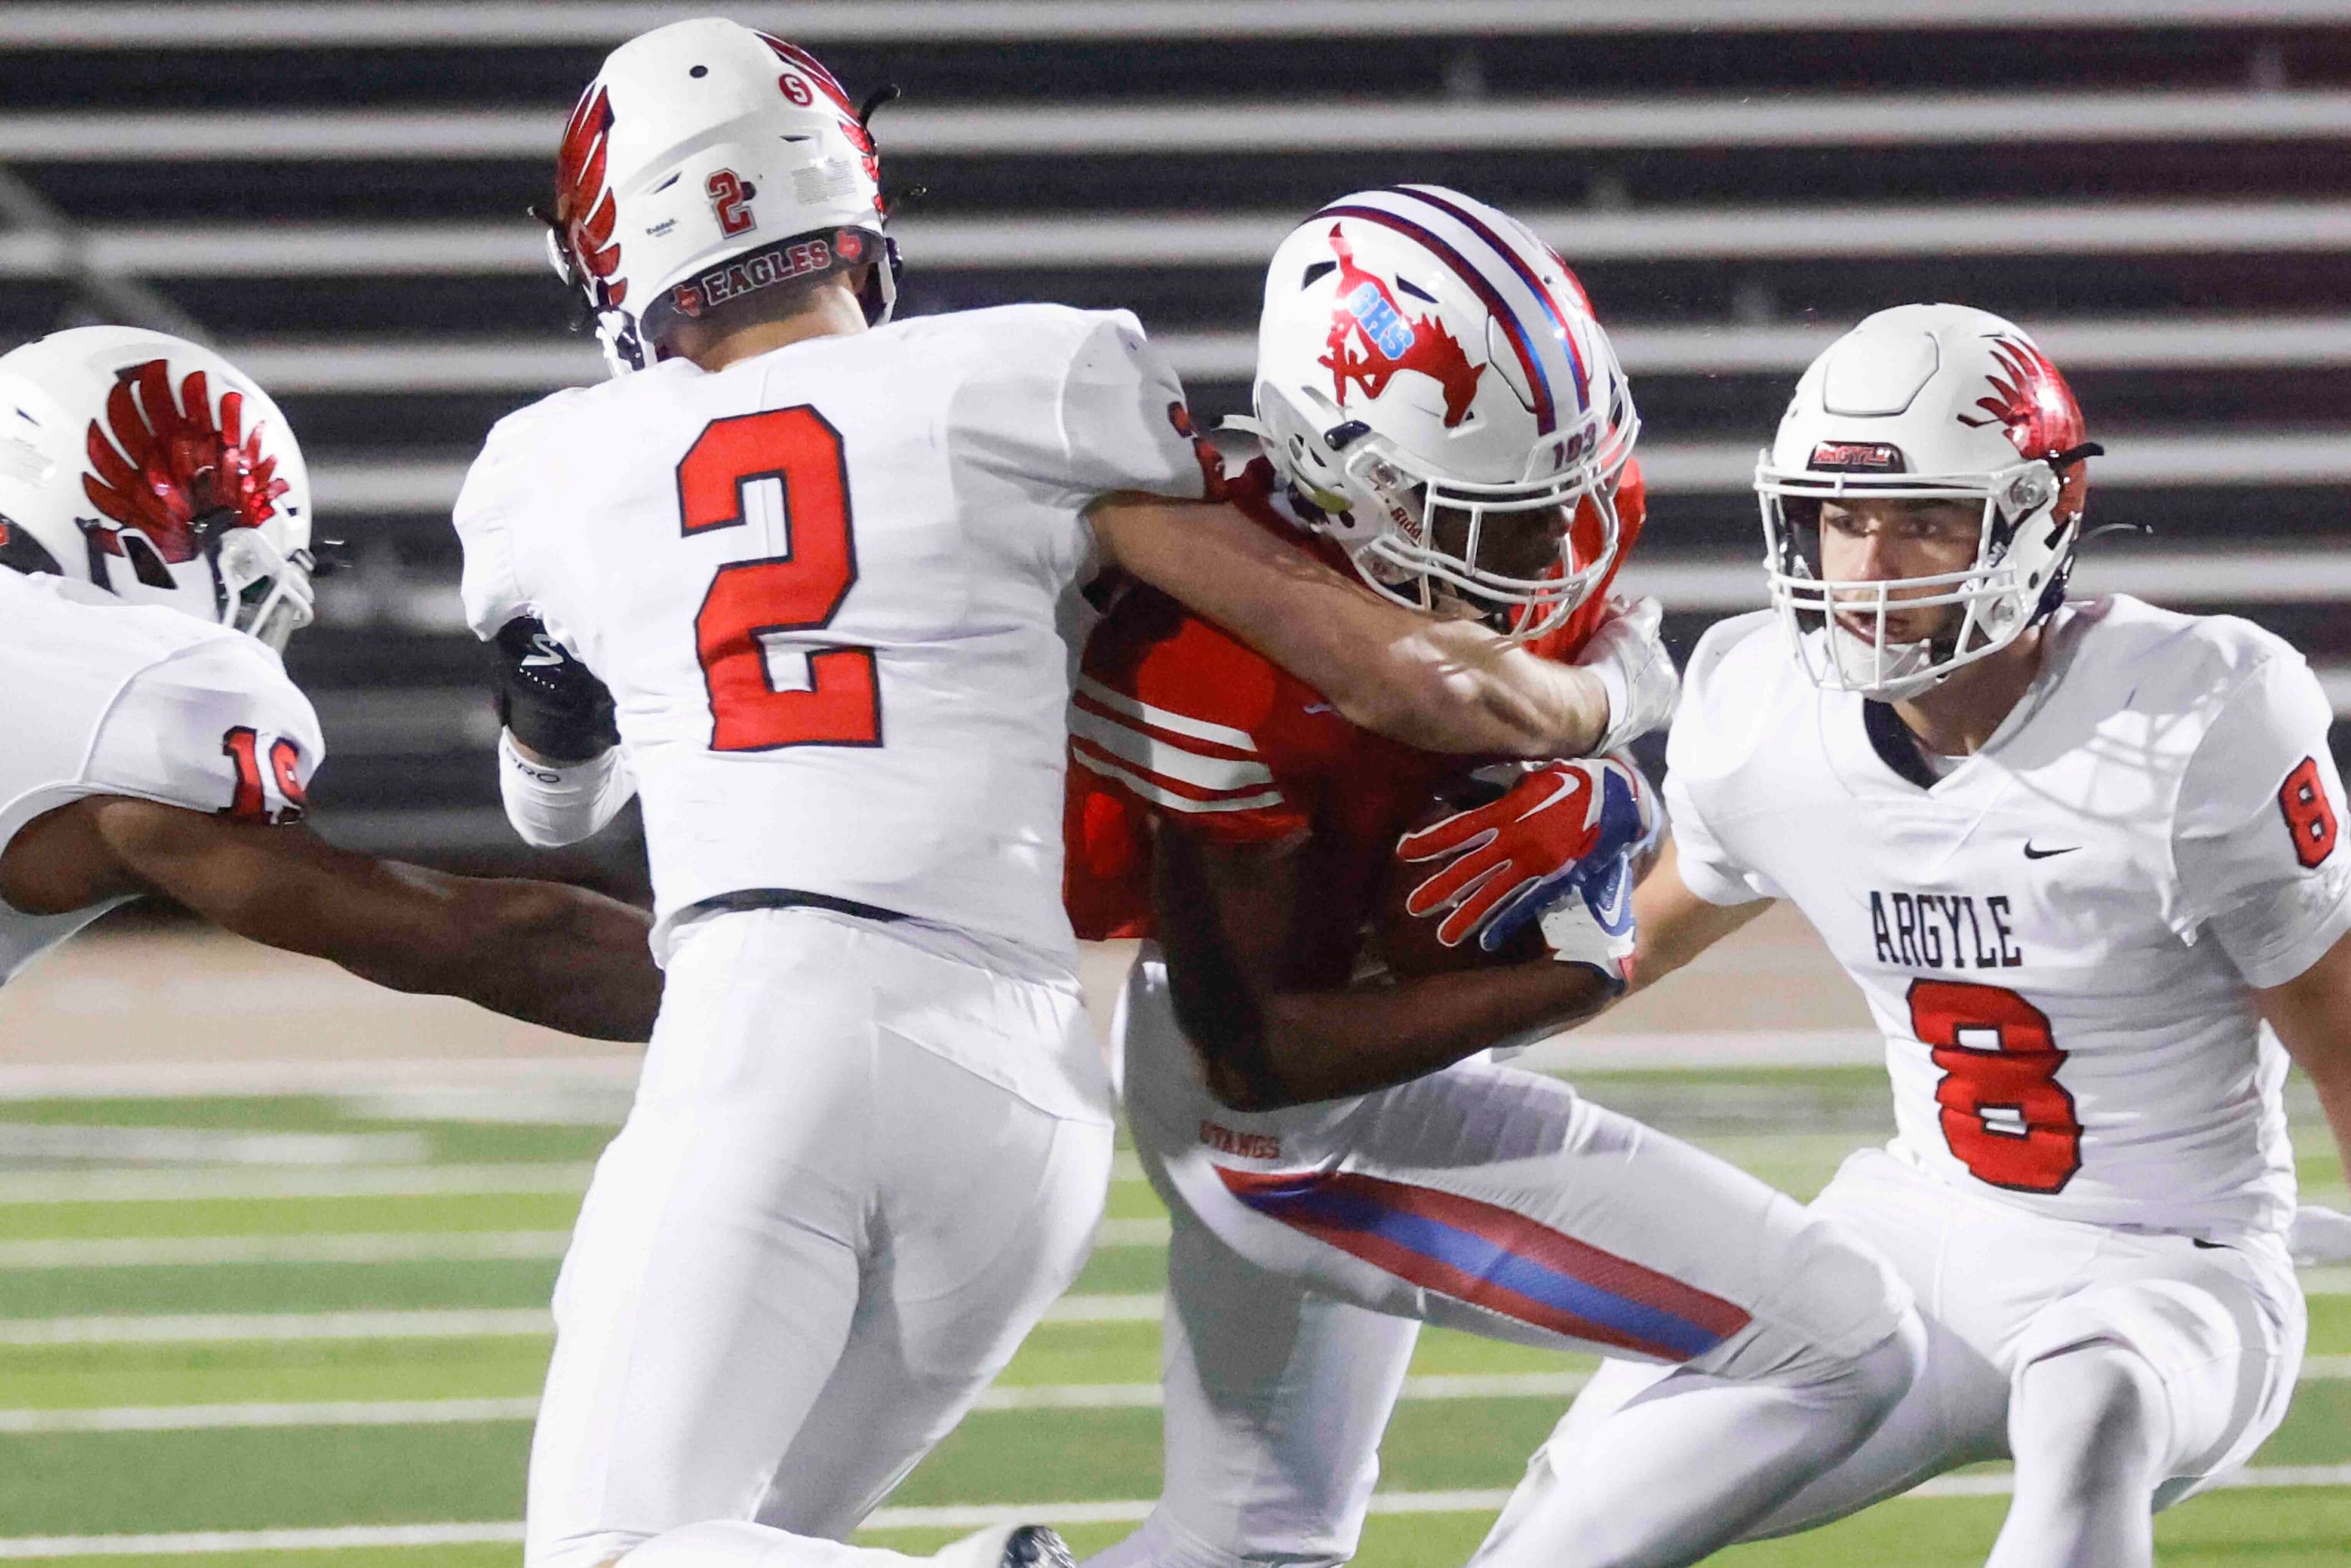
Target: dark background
x=335, y=195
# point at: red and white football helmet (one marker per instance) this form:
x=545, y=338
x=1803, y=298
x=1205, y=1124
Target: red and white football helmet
x=1925, y=402
x=154, y=468
x=708, y=161
x=1424, y=360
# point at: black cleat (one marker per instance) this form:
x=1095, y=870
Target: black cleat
x=1036, y=1546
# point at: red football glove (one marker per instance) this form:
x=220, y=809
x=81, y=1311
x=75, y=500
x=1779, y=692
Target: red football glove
x=1512, y=857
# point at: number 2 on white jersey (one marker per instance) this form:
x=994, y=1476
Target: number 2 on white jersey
x=798, y=591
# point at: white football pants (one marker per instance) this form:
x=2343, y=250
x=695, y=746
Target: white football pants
x=819, y=1236
x=2217, y=1330
x=1309, y=1244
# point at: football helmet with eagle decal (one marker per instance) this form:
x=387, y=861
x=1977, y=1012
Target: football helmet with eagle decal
x=1925, y=402
x=154, y=468
x=1430, y=376
x=708, y=161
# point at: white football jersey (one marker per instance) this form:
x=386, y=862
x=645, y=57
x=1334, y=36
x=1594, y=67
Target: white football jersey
x=106, y=698
x=2060, y=938
x=823, y=586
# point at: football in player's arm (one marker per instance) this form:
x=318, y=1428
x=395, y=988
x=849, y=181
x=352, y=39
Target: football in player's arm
x=1280, y=1022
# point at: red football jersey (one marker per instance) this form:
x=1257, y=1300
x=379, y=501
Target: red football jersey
x=1177, y=720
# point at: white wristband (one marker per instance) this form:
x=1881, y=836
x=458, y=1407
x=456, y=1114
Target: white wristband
x=551, y=806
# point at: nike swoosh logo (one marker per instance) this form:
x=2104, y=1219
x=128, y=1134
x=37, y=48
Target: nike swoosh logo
x=1319, y=707
x=2033, y=854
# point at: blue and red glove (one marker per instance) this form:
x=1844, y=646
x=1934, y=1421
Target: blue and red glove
x=1558, y=847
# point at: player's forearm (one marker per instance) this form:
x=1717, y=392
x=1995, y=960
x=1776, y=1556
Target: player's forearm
x=2312, y=1016
x=541, y=952
x=1448, y=686
x=1327, y=1045
x=1453, y=686
x=1676, y=925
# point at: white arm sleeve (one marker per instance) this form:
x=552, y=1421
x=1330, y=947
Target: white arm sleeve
x=551, y=807
x=2256, y=836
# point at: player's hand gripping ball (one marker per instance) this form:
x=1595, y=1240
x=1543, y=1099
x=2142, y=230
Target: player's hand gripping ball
x=1551, y=860
x=1410, y=942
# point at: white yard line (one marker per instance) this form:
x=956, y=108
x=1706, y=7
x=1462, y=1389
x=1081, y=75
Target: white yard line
x=24, y=1141
x=228, y=1327
x=226, y=1417
x=386, y=1246
x=2329, y=1282
x=383, y=1247
x=978, y=1516
x=1134, y=1308
x=956, y=1516
x=1038, y=1396
x=341, y=1538
x=1147, y=1396
x=359, y=1181
x=269, y=1079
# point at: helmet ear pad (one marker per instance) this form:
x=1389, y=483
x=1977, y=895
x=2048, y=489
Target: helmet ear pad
x=21, y=552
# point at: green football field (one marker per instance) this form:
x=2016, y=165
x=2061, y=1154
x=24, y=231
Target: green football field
x=303, y=1331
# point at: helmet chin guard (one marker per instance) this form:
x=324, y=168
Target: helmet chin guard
x=1431, y=378
x=1924, y=403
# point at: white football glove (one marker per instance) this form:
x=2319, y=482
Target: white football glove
x=2319, y=1236
x=1628, y=654
x=1592, y=923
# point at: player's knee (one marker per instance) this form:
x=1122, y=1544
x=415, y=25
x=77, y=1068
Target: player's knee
x=1886, y=1371
x=2092, y=1412
x=1847, y=1301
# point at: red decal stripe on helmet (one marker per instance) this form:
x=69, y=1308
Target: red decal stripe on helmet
x=799, y=59
x=169, y=465
x=1546, y=415
x=585, y=212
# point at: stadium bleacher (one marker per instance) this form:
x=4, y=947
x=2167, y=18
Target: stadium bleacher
x=2160, y=189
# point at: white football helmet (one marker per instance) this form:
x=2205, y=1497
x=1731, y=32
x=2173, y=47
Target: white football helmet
x=1925, y=402
x=1428, y=371
x=708, y=161
x=154, y=468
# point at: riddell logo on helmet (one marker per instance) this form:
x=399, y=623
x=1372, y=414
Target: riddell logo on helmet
x=1858, y=457
x=1367, y=313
